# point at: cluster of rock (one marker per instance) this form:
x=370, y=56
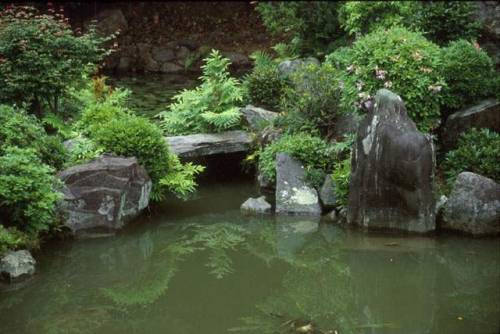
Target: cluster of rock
x=392, y=178
x=292, y=193
x=174, y=56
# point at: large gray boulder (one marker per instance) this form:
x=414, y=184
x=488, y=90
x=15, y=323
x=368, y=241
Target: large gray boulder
x=105, y=193
x=485, y=114
x=16, y=265
x=256, y=206
x=473, y=206
x=392, y=172
x=206, y=144
x=257, y=118
x=293, y=194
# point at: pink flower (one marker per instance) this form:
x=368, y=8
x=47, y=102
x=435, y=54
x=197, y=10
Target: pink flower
x=379, y=73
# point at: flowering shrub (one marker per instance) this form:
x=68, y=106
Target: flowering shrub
x=397, y=59
x=41, y=58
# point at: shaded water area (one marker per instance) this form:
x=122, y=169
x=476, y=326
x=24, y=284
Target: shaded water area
x=152, y=93
x=202, y=267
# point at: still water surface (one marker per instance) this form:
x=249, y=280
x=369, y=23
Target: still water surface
x=201, y=267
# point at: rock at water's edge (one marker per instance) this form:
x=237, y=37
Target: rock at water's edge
x=104, y=193
x=256, y=206
x=473, y=206
x=16, y=265
x=392, y=172
x=293, y=194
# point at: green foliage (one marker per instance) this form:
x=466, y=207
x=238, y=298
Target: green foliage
x=22, y=130
x=342, y=168
x=341, y=176
x=264, y=85
x=313, y=151
x=27, y=195
x=138, y=137
x=445, y=21
x=310, y=25
x=439, y=21
x=477, y=151
x=101, y=106
x=210, y=107
x=469, y=73
x=41, y=57
x=12, y=239
x=361, y=17
x=397, y=59
x=83, y=150
x=312, y=99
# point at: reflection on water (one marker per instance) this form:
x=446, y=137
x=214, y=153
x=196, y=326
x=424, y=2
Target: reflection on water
x=152, y=93
x=201, y=269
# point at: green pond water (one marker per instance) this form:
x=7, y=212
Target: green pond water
x=152, y=93
x=201, y=267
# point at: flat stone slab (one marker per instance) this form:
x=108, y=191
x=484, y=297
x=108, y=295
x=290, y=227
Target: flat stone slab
x=206, y=144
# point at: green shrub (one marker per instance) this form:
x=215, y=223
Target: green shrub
x=398, y=59
x=41, y=57
x=264, y=85
x=27, y=195
x=314, y=152
x=83, y=150
x=312, y=25
x=477, y=151
x=469, y=73
x=101, y=107
x=439, y=21
x=138, y=137
x=361, y=17
x=312, y=100
x=210, y=107
x=22, y=130
x=341, y=176
x=445, y=21
x=12, y=239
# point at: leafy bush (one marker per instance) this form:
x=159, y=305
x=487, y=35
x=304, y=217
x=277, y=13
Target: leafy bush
x=101, y=105
x=264, y=85
x=439, y=21
x=83, y=150
x=341, y=176
x=11, y=239
x=445, y=21
x=22, y=130
x=477, y=151
x=313, y=151
x=398, y=59
x=138, y=137
x=210, y=107
x=469, y=73
x=361, y=17
x=313, y=98
x=311, y=25
x=27, y=195
x=41, y=57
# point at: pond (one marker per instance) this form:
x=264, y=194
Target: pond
x=202, y=267
x=152, y=93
